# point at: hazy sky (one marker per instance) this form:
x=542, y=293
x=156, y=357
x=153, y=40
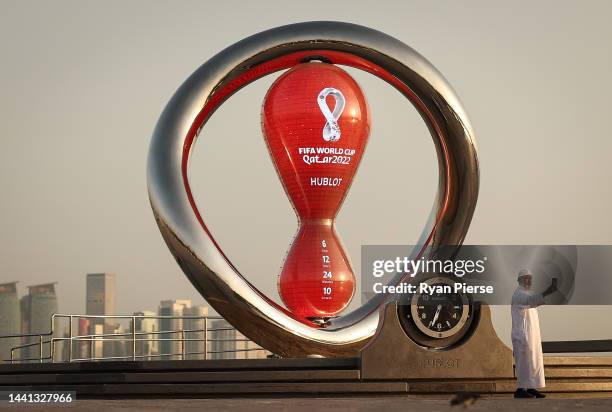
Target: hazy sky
x=83, y=83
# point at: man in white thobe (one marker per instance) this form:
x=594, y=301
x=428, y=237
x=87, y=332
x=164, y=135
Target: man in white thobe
x=526, y=341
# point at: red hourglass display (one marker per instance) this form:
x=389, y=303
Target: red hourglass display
x=316, y=124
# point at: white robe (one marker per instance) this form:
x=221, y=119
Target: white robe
x=526, y=340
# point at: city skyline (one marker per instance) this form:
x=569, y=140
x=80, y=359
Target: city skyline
x=84, y=311
x=32, y=313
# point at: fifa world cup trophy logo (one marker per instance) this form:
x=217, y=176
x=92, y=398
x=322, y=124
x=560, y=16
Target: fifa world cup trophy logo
x=331, y=131
x=316, y=124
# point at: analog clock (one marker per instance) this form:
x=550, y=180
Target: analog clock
x=437, y=317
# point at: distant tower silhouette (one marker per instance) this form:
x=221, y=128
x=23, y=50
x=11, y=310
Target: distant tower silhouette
x=100, y=300
x=10, y=318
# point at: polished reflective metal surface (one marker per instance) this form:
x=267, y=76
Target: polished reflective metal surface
x=184, y=230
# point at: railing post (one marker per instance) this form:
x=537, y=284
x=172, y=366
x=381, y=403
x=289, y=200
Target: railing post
x=182, y=344
x=70, y=341
x=40, y=343
x=133, y=338
x=12, y=350
x=205, y=338
x=52, y=344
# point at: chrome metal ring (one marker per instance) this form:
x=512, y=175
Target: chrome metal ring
x=185, y=232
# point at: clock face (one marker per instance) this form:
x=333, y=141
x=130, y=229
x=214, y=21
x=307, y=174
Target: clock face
x=439, y=315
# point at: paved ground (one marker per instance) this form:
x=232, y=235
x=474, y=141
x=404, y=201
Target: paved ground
x=385, y=404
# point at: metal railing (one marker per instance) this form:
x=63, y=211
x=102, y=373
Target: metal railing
x=179, y=341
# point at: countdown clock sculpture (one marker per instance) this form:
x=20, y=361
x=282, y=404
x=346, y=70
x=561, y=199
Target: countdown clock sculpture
x=297, y=332
x=316, y=123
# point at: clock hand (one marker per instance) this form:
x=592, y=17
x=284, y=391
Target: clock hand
x=435, y=318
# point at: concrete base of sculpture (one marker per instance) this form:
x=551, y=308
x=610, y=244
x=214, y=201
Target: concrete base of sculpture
x=391, y=354
x=566, y=376
x=391, y=365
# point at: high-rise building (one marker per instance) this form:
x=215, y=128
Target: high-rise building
x=10, y=318
x=100, y=294
x=38, y=307
x=97, y=345
x=100, y=300
x=172, y=349
x=84, y=350
x=41, y=305
x=62, y=347
x=228, y=343
x=121, y=350
x=196, y=347
x=146, y=345
x=222, y=337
